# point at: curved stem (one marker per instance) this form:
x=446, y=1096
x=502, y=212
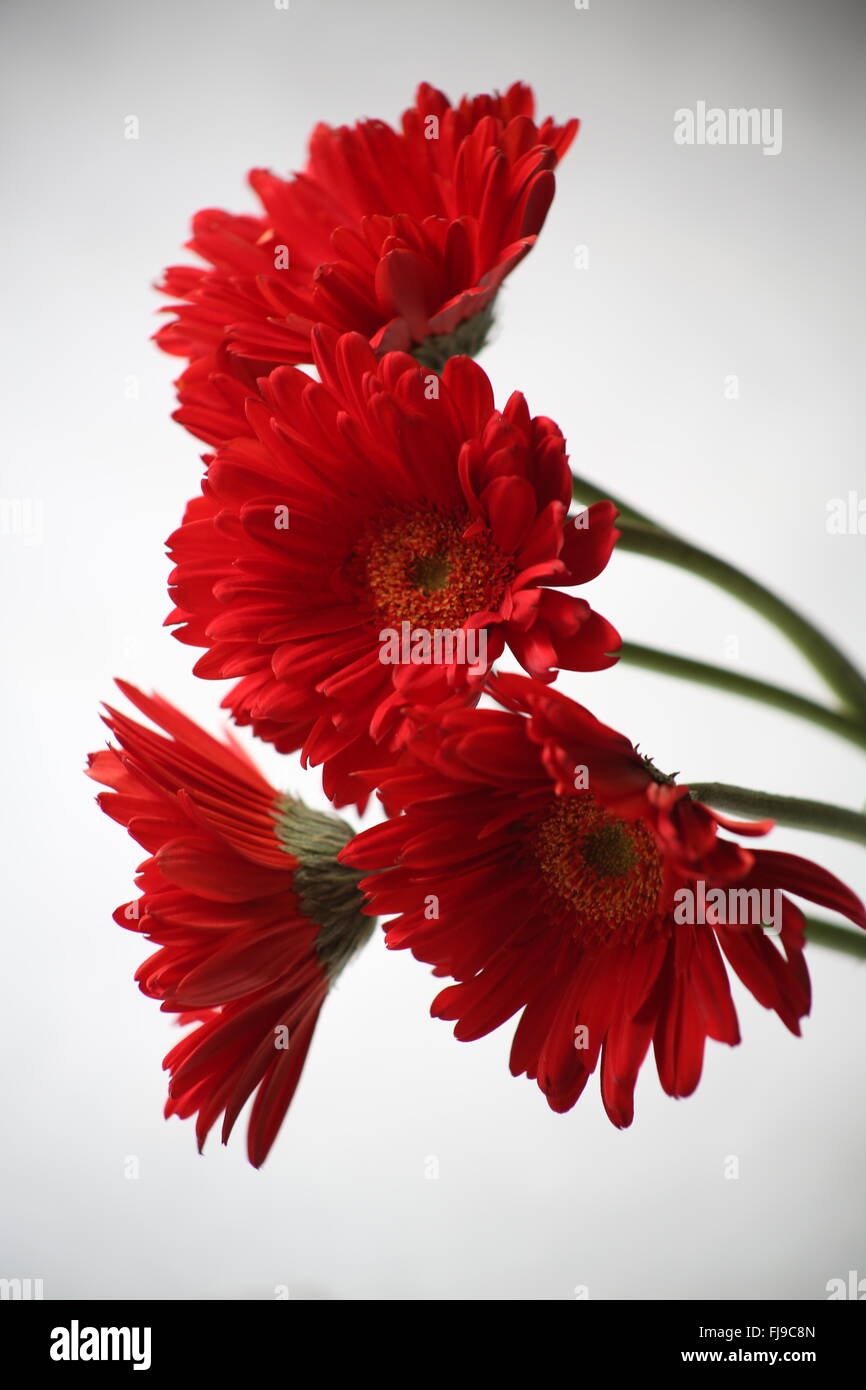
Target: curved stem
x=685, y=668
x=644, y=537
x=795, y=811
x=821, y=933
x=582, y=490
x=828, y=661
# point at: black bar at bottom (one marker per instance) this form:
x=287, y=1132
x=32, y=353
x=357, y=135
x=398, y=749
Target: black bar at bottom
x=69, y=1337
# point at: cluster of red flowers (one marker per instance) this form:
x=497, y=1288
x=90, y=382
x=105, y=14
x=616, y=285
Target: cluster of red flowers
x=529, y=852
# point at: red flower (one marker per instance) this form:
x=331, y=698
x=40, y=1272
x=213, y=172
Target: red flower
x=383, y=504
x=251, y=913
x=403, y=236
x=549, y=868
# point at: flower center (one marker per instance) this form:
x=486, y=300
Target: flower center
x=415, y=565
x=604, y=873
x=430, y=573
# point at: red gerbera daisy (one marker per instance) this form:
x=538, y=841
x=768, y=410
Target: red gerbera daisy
x=378, y=542
x=252, y=914
x=548, y=867
x=402, y=236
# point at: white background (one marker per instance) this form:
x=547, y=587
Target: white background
x=703, y=262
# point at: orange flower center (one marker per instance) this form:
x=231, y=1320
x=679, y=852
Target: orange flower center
x=605, y=873
x=416, y=565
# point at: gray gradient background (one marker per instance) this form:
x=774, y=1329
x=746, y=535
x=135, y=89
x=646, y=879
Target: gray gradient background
x=703, y=262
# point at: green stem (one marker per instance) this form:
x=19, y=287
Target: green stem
x=831, y=664
x=582, y=490
x=641, y=536
x=684, y=668
x=794, y=811
x=821, y=933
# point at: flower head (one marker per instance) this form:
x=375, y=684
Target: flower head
x=402, y=235
x=375, y=544
x=548, y=868
x=252, y=915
